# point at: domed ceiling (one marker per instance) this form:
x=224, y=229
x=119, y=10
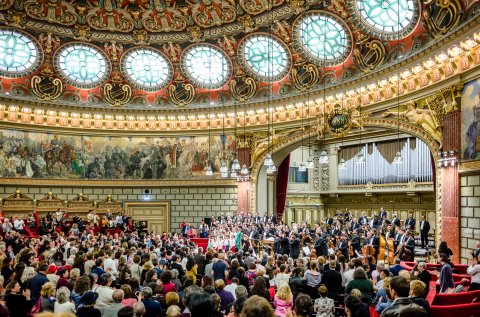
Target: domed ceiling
x=184, y=54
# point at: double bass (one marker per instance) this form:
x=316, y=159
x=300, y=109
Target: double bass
x=381, y=253
x=390, y=250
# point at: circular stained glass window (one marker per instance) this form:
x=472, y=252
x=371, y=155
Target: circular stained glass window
x=20, y=55
x=265, y=57
x=323, y=38
x=388, y=19
x=146, y=69
x=206, y=66
x=82, y=65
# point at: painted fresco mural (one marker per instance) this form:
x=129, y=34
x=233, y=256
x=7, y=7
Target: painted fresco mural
x=43, y=155
x=471, y=120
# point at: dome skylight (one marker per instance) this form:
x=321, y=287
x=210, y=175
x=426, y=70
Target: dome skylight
x=146, y=69
x=82, y=65
x=206, y=66
x=19, y=54
x=387, y=18
x=323, y=38
x=265, y=57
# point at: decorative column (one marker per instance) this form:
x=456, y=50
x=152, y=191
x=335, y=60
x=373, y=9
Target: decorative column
x=451, y=184
x=271, y=194
x=333, y=167
x=243, y=187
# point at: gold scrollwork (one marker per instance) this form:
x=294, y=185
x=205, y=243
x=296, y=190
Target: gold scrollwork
x=369, y=55
x=181, y=94
x=339, y=121
x=304, y=75
x=46, y=87
x=243, y=87
x=442, y=15
x=117, y=94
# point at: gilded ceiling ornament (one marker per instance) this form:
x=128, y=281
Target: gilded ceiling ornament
x=195, y=34
x=181, y=93
x=16, y=18
x=82, y=33
x=162, y=19
x=60, y=12
x=228, y=44
x=141, y=37
x=209, y=13
x=173, y=51
x=442, y=16
x=283, y=30
x=298, y=6
x=49, y=42
x=427, y=118
x=114, y=51
x=242, y=86
x=247, y=23
x=5, y=4
x=304, y=75
x=108, y=19
x=339, y=121
x=254, y=7
x=338, y=7
x=116, y=93
x=370, y=55
x=45, y=86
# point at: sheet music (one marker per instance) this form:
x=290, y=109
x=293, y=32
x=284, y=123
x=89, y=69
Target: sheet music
x=306, y=251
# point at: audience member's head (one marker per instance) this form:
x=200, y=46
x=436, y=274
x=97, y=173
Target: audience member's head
x=303, y=305
x=256, y=306
x=399, y=287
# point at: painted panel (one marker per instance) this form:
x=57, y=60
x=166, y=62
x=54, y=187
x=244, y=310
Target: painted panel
x=44, y=155
x=471, y=120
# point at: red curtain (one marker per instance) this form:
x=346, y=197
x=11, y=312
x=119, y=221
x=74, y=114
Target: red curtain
x=282, y=183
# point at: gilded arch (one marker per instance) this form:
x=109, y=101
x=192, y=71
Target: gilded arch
x=405, y=127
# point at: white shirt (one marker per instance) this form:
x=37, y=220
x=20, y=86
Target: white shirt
x=66, y=307
x=19, y=224
x=231, y=288
x=474, y=271
x=347, y=277
x=110, y=264
x=104, y=297
x=281, y=278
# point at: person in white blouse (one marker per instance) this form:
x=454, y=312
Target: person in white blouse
x=282, y=277
x=474, y=271
x=110, y=266
x=19, y=225
x=63, y=303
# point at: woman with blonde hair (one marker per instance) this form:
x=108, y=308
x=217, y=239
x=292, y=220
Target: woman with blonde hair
x=173, y=311
x=27, y=275
x=324, y=306
x=47, y=297
x=283, y=301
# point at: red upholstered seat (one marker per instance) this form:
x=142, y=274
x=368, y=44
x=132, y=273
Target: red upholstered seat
x=455, y=299
x=461, y=310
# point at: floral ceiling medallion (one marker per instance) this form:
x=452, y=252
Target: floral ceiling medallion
x=323, y=38
x=20, y=54
x=385, y=19
x=82, y=65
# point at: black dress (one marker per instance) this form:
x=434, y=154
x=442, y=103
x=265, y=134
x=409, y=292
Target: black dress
x=18, y=305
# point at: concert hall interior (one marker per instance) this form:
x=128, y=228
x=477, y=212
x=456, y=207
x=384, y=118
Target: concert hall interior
x=343, y=128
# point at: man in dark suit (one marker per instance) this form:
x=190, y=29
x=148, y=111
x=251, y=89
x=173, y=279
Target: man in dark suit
x=395, y=221
x=363, y=220
x=424, y=276
x=355, y=242
x=424, y=229
x=410, y=222
x=342, y=245
x=354, y=224
x=383, y=213
x=294, y=247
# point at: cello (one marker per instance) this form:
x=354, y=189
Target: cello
x=390, y=250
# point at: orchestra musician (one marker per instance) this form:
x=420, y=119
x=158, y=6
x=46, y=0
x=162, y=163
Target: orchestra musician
x=383, y=213
x=410, y=222
x=424, y=229
x=363, y=220
x=354, y=225
x=395, y=221
x=355, y=242
x=342, y=245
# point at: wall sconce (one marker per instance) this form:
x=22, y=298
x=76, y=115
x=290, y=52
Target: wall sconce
x=447, y=158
